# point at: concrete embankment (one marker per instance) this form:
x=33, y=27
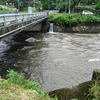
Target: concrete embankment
x=80, y=28
x=80, y=92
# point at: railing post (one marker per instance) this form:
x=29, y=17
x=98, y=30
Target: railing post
x=35, y=16
x=5, y=24
x=23, y=17
x=32, y=15
x=16, y=19
x=28, y=17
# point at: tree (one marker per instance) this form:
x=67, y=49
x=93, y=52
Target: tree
x=2, y=1
x=89, y=1
x=23, y=4
x=48, y=4
x=65, y=6
x=98, y=6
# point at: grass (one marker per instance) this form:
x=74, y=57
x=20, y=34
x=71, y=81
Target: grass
x=10, y=91
x=16, y=87
x=4, y=9
x=94, y=91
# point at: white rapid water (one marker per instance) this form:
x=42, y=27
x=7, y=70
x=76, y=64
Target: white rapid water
x=51, y=28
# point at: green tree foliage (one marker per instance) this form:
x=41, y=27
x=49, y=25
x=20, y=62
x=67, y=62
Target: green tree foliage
x=89, y=1
x=21, y=3
x=2, y=1
x=24, y=4
x=98, y=5
x=65, y=3
x=50, y=4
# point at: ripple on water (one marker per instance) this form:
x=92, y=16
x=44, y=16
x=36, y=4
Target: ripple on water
x=3, y=46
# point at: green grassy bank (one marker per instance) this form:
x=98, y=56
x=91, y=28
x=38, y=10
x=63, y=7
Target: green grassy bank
x=16, y=87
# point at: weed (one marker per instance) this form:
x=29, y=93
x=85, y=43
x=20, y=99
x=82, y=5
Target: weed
x=18, y=79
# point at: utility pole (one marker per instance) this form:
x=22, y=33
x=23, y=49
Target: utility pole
x=56, y=3
x=48, y=4
x=18, y=6
x=69, y=7
x=65, y=6
x=34, y=4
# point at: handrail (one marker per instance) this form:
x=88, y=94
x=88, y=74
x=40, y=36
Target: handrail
x=6, y=19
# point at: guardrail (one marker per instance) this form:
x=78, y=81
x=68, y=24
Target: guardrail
x=7, y=19
x=15, y=23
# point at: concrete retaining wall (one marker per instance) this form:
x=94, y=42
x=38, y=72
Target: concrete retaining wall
x=83, y=28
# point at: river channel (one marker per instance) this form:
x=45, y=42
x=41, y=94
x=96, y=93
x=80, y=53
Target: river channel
x=54, y=60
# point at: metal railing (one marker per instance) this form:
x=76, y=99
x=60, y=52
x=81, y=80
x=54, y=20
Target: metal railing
x=15, y=23
x=7, y=19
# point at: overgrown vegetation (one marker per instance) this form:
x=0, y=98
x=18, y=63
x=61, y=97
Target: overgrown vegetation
x=95, y=91
x=4, y=9
x=16, y=87
x=71, y=19
x=2, y=2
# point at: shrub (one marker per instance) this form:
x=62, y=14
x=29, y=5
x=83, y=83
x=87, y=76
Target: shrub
x=71, y=19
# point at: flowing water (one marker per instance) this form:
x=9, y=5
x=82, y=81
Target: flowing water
x=54, y=60
x=51, y=28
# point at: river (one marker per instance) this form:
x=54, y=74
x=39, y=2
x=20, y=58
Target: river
x=54, y=60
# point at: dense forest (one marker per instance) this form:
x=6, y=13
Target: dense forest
x=49, y=4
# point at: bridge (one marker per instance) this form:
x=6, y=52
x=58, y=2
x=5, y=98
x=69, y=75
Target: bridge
x=15, y=23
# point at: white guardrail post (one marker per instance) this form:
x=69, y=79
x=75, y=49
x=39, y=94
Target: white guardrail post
x=4, y=21
x=16, y=19
x=23, y=17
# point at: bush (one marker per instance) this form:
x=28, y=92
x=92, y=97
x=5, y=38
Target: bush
x=71, y=19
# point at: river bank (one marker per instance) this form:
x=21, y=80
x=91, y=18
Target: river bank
x=75, y=23
x=93, y=27
x=88, y=90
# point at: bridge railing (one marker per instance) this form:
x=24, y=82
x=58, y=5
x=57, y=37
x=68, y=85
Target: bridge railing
x=7, y=19
x=15, y=23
